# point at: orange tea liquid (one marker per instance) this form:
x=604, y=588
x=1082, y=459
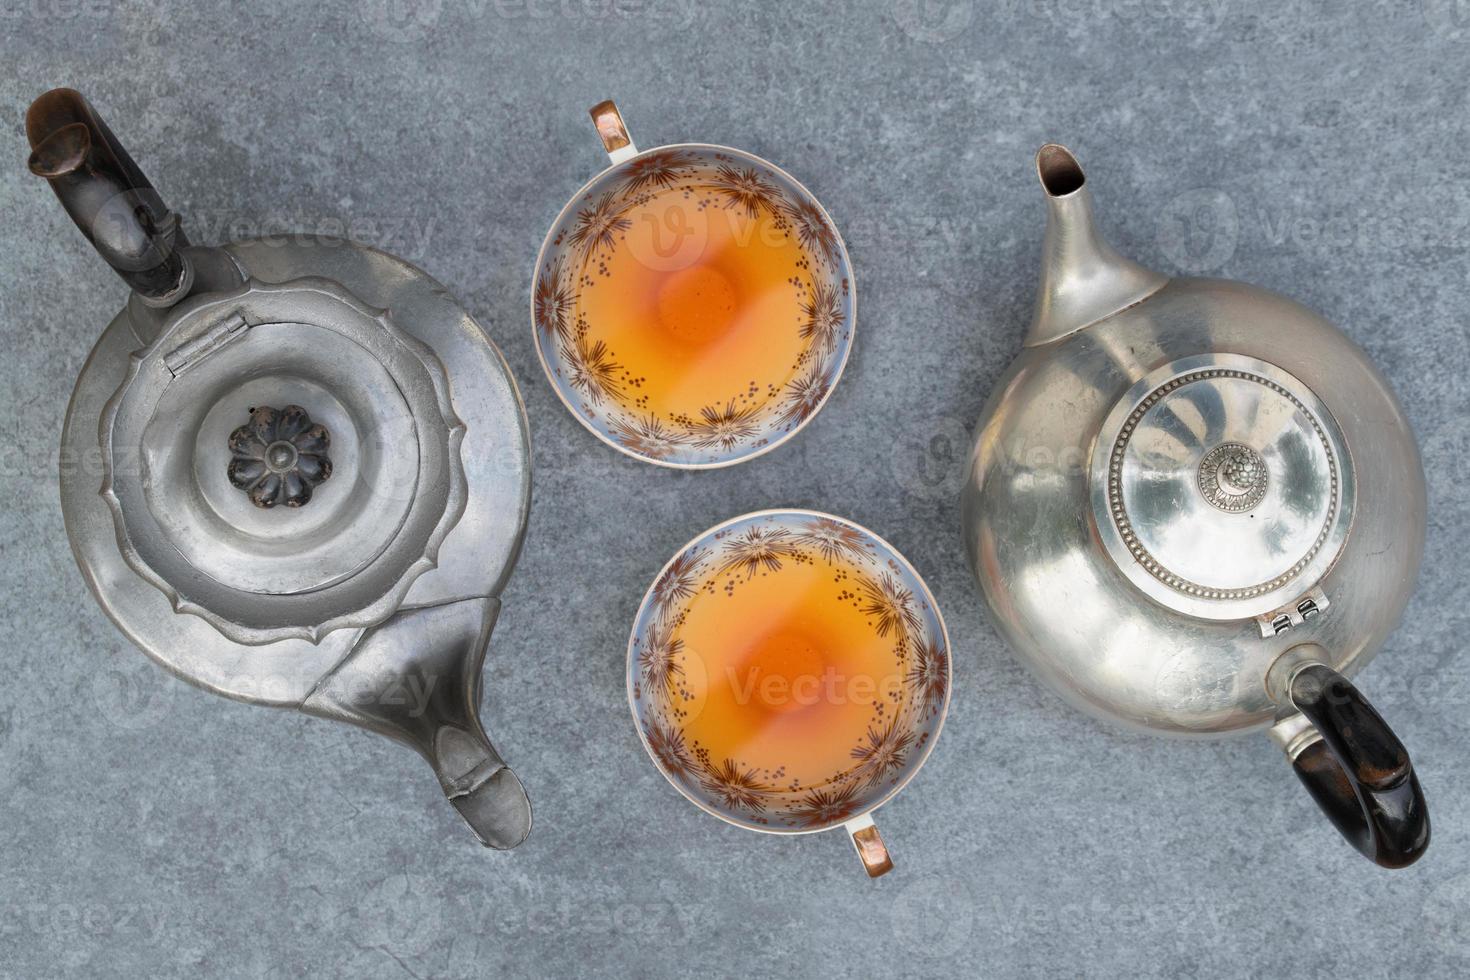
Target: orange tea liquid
x=788, y=673
x=698, y=304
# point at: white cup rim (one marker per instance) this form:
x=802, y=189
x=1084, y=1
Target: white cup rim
x=844, y=263
x=942, y=711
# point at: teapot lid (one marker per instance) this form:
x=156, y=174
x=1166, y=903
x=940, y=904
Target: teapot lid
x=283, y=460
x=1221, y=486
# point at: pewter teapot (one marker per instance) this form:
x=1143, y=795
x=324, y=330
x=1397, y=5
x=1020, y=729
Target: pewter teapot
x=295, y=471
x=1194, y=507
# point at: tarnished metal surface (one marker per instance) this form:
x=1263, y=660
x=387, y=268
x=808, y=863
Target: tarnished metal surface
x=239, y=642
x=350, y=560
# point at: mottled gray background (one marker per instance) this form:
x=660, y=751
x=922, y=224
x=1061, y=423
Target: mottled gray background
x=1318, y=149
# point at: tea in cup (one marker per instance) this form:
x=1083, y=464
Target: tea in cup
x=789, y=672
x=693, y=304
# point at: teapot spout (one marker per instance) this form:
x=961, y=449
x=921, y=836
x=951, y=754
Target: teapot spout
x=416, y=679
x=1083, y=279
x=108, y=197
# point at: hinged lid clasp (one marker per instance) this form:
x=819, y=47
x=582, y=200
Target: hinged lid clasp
x=191, y=352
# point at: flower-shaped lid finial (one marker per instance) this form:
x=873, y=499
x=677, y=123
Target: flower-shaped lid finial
x=279, y=456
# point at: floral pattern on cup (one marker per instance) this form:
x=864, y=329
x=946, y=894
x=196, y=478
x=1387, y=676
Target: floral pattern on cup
x=587, y=373
x=898, y=608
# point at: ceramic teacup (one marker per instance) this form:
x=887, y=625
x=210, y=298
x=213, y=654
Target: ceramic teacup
x=693, y=304
x=789, y=672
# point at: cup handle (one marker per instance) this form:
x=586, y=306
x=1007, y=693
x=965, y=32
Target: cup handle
x=870, y=848
x=1354, y=766
x=614, y=132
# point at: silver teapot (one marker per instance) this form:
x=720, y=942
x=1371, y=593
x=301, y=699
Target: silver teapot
x=295, y=471
x=1194, y=507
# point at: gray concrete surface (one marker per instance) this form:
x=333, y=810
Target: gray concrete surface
x=147, y=829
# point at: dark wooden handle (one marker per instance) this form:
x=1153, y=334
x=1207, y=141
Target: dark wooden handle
x=105, y=193
x=1359, y=772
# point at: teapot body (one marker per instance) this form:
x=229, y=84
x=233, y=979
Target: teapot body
x=1064, y=603
x=475, y=557
x=1194, y=507
x=295, y=471
x=405, y=661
